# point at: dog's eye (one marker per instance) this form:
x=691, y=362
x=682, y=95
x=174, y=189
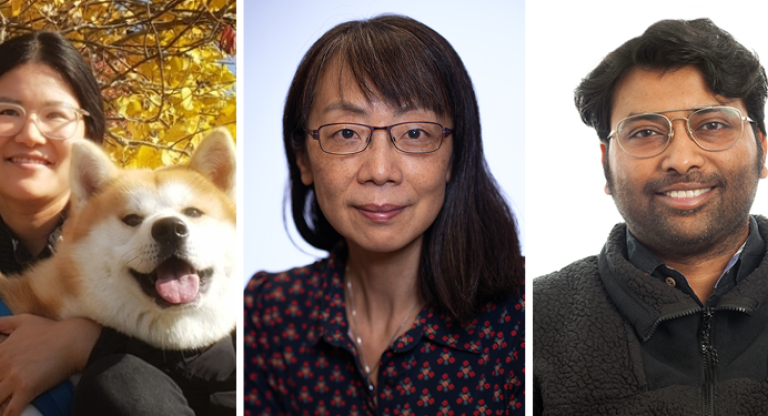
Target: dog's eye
x=132, y=220
x=192, y=212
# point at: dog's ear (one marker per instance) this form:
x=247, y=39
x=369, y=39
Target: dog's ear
x=215, y=158
x=91, y=170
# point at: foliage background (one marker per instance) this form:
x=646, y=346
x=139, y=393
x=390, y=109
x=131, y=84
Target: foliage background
x=164, y=67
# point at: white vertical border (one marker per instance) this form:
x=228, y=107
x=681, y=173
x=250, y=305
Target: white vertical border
x=239, y=353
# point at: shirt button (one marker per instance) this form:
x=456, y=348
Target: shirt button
x=670, y=281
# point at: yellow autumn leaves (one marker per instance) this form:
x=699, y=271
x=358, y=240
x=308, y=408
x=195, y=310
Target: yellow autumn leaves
x=164, y=77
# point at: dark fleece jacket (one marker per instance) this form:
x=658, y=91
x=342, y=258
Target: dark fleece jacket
x=611, y=340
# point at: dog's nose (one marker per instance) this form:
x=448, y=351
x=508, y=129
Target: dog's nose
x=170, y=231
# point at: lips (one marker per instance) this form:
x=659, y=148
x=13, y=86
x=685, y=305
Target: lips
x=28, y=159
x=380, y=213
x=685, y=196
x=687, y=193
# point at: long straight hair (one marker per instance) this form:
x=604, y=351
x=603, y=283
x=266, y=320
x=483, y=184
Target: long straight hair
x=471, y=253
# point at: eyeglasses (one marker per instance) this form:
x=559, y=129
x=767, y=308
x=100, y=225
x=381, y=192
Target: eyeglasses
x=409, y=137
x=713, y=129
x=55, y=122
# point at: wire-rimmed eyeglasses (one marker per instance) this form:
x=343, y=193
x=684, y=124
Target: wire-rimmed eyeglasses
x=408, y=137
x=714, y=129
x=55, y=122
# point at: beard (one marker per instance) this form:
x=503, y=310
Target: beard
x=704, y=230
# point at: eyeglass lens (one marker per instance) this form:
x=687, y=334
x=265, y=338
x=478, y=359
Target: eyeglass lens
x=712, y=128
x=345, y=138
x=55, y=122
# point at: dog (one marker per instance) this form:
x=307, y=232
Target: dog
x=151, y=254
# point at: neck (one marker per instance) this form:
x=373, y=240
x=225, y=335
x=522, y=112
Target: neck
x=32, y=222
x=384, y=282
x=704, y=268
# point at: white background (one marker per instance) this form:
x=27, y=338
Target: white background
x=489, y=37
x=569, y=215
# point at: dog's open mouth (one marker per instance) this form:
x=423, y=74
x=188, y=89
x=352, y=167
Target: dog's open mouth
x=174, y=282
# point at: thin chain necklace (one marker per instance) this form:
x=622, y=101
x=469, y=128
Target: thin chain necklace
x=369, y=371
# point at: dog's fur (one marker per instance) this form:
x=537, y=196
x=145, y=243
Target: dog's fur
x=122, y=226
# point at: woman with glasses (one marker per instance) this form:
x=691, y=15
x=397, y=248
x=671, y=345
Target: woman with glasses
x=48, y=100
x=418, y=307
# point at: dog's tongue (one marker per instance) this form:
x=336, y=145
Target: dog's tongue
x=177, y=282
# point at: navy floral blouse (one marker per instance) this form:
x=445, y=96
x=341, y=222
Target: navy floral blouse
x=299, y=359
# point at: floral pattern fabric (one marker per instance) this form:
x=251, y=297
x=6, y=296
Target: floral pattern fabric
x=299, y=359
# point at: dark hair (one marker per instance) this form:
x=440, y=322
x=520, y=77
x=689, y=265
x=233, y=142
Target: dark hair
x=729, y=69
x=55, y=51
x=471, y=253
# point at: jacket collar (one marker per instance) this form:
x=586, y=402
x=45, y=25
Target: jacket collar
x=646, y=301
x=750, y=255
x=331, y=324
x=15, y=258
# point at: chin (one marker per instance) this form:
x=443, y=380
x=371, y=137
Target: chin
x=386, y=243
x=26, y=194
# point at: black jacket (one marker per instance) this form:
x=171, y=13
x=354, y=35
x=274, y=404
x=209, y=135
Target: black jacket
x=206, y=377
x=609, y=339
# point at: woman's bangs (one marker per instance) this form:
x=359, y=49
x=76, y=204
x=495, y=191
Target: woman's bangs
x=394, y=67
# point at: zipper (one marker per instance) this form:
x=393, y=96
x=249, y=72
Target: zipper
x=689, y=311
x=710, y=362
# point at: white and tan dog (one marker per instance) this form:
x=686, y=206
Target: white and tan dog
x=151, y=254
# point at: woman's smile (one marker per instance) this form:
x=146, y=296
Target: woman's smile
x=28, y=159
x=36, y=168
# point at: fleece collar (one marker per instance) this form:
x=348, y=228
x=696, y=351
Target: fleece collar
x=646, y=301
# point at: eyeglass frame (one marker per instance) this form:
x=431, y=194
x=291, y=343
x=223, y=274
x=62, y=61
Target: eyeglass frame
x=445, y=133
x=742, y=119
x=81, y=113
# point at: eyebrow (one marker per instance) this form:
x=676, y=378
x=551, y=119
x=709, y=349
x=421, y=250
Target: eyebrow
x=10, y=100
x=692, y=109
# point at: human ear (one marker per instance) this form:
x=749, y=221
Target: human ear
x=305, y=167
x=603, y=150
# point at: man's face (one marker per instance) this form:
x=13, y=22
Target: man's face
x=719, y=186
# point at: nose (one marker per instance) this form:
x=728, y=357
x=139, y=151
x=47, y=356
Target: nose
x=30, y=134
x=381, y=161
x=682, y=154
x=170, y=231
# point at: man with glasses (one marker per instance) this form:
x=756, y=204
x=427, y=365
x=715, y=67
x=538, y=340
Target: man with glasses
x=672, y=316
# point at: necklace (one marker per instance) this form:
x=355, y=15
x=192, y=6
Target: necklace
x=369, y=371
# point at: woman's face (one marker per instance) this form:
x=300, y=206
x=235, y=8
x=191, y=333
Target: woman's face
x=381, y=200
x=34, y=168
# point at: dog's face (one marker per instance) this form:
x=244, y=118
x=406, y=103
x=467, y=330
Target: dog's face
x=156, y=250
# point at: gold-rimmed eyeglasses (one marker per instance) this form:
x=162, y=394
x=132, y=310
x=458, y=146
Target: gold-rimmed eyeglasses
x=408, y=137
x=714, y=129
x=55, y=122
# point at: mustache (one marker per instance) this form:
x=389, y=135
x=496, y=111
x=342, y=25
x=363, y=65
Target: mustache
x=713, y=179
